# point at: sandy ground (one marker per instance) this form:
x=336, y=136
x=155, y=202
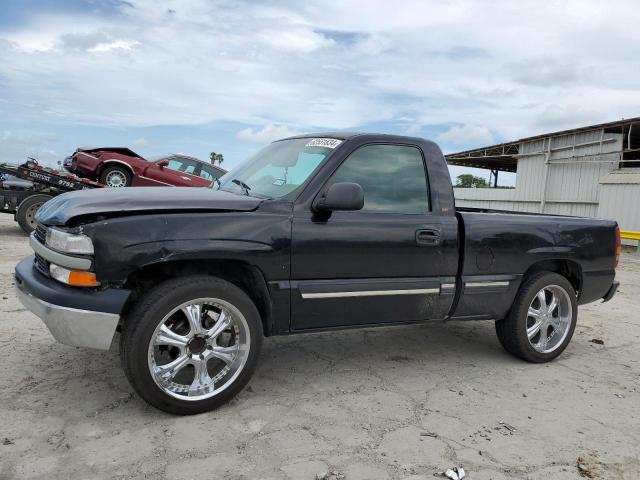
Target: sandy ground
x=390, y=403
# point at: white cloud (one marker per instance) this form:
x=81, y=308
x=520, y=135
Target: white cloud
x=467, y=135
x=374, y=44
x=327, y=64
x=15, y=147
x=413, y=129
x=298, y=40
x=45, y=33
x=266, y=134
x=547, y=71
x=557, y=116
x=141, y=142
x=114, y=45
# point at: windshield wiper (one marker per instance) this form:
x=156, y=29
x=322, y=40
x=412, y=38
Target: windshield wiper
x=243, y=185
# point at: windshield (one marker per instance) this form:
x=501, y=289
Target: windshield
x=279, y=168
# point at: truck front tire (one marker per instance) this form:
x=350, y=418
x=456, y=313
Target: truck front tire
x=542, y=319
x=191, y=344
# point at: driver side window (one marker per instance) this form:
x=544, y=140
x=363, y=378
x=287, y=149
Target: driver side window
x=392, y=176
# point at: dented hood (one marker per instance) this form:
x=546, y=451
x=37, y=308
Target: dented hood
x=59, y=210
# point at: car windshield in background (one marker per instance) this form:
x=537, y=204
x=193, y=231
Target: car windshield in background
x=279, y=168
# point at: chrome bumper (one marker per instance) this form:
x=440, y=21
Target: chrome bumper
x=78, y=328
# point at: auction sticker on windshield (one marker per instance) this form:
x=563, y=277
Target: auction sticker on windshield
x=324, y=142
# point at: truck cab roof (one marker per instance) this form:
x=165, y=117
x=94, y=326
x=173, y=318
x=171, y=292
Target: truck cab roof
x=367, y=136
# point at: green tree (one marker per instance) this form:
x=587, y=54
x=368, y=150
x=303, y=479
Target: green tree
x=466, y=180
x=216, y=157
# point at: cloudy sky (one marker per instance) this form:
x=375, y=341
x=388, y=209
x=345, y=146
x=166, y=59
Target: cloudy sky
x=194, y=76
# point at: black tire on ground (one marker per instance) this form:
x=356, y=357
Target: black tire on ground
x=143, y=319
x=115, y=176
x=26, y=212
x=512, y=331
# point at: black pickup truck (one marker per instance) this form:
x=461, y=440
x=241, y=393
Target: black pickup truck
x=314, y=232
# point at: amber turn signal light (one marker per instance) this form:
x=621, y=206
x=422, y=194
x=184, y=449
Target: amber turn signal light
x=83, y=279
x=75, y=278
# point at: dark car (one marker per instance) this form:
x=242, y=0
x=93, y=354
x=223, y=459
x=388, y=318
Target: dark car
x=9, y=182
x=315, y=232
x=122, y=167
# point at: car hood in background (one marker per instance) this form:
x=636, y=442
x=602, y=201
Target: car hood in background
x=59, y=210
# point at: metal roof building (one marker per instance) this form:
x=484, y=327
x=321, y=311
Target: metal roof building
x=591, y=171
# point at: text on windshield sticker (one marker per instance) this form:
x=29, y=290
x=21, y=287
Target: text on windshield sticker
x=324, y=142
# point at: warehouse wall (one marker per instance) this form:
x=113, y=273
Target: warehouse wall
x=531, y=170
x=567, y=184
x=620, y=198
x=504, y=199
x=493, y=198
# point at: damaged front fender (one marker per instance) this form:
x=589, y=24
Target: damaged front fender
x=122, y=247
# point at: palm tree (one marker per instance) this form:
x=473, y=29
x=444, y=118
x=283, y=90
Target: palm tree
x=216, y=157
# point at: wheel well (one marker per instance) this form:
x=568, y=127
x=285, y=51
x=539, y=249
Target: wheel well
x=113, y=163
x=248, y=278
x=567, y=268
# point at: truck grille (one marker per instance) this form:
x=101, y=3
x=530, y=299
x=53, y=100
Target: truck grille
x=40, y=233
x=41, y=265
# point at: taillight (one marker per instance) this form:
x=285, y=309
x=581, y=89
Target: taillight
x=618, y=247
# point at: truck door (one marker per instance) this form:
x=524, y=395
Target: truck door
x=393, y=261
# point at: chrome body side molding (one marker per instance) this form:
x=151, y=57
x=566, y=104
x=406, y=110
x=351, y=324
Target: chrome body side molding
x=371, y=293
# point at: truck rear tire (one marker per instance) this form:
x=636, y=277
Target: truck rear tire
x=542, y=319
x=191, y=344
x=27, y=209
x=115, y=176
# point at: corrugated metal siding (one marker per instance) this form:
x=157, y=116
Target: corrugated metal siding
x=573, y=209
x=575, y=172
x=619, y=202
x=573, y=180
x=466, y=197
x=576, y=181
x=505, y=194
x=493, y=198
x=530, y=178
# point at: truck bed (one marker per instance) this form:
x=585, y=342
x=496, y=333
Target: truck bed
x=495, y=243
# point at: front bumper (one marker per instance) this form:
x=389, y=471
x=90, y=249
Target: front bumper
x=74, y=316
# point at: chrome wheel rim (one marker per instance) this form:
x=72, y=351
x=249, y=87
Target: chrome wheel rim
x=549, y=318
x=198, y=350
x=115, y=179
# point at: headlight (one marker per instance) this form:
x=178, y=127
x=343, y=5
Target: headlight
x=68, y=242
x=73, y=277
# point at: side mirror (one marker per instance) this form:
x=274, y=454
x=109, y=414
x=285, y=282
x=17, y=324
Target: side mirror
x=343, y=196
x=163, y=163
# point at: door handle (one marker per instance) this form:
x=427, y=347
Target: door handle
x=428, y=237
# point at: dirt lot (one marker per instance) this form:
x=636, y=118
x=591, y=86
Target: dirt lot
x=403, y=402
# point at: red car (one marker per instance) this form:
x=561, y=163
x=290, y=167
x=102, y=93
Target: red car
x=122, y=167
